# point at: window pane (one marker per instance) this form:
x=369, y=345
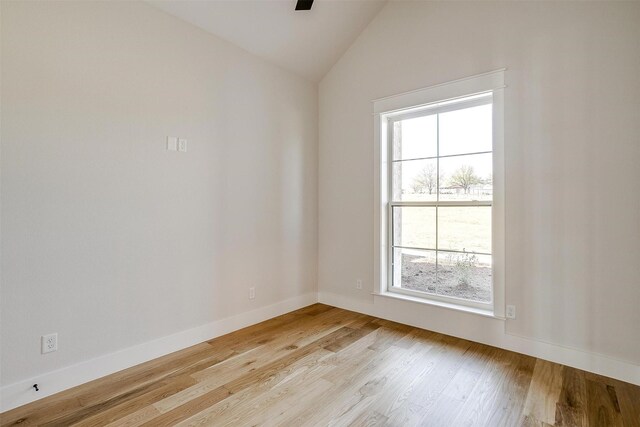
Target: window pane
x=466, y=131
x=415, y=138
x=414, y=227
x=466, y=177
x=415, y=180
x=465, y=228
x=466, y=276
x=415, y=270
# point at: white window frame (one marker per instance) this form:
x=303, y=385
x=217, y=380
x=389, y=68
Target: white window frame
x=419, y=101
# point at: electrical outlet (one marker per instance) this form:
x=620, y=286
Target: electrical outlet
x=359, y=284
x=252, y=293
x=49, y=343
x=182, y=145
x=511, y=312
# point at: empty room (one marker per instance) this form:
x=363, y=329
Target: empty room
x=319, y=213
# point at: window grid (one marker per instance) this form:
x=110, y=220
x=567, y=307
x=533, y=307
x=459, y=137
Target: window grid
x=437, y=203
x=441, y=157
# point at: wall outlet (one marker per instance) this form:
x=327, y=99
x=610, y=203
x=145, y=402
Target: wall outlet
x=359, y=284
x=172, y=143
x=511, y=312
x=49, y=343
x=252, y=293
x=182, y=145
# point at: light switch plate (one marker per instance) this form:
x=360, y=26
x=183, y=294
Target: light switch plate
x=172, y=143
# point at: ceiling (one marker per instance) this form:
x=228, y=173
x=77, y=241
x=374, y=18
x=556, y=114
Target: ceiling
x=305, y=42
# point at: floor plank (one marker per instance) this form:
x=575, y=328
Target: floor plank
x=544, y=392
x=325, y=366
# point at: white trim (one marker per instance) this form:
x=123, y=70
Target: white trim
x=479, y=83
x=22, y=392
x=406, y=296
x=423, y=101
x=470, y=306
x=380, y=212
x=498, y=225
x=485, y=330
x=483, y=98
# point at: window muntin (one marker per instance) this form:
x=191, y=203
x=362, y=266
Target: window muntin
x=441, y=197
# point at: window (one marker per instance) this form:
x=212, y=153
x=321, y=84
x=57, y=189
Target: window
x=440, y=194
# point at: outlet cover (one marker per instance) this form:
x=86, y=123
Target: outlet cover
x=511, y=312
x=49, y=343
x=252, y=293
x=359, y=284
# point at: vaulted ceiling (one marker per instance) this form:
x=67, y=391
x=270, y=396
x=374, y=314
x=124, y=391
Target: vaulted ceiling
x=305, y=42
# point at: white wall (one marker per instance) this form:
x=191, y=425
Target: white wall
x=107, y=238
x=112, y=241
x=572, y=139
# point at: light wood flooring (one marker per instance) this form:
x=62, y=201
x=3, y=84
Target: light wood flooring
x=325, y=366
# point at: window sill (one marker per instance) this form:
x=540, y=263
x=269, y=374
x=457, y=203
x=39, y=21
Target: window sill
x=456, y=307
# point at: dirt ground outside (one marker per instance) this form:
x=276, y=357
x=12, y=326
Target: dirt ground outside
x=455, y=276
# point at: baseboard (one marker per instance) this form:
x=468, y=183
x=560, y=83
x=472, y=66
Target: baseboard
x=488, y=331
x=467, y=326
x=21, y=393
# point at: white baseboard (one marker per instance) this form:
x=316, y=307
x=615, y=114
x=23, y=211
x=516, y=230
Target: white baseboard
x=468, y=326
x=21, y=393
x=484, y=330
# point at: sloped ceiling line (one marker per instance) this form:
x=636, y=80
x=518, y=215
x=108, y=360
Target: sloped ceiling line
x=307, y=43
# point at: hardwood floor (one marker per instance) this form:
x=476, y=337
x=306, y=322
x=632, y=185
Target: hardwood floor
x=326, y=366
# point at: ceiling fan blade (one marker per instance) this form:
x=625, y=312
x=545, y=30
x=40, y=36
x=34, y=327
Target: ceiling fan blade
x=304, y=4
